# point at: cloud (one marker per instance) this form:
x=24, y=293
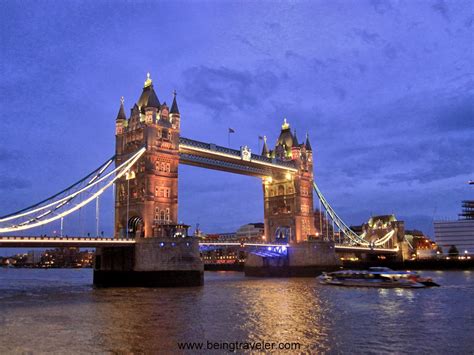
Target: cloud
x=8, y=183
x=366, y=36
x=390, y=51
x=222, y=89
x=340, y=93
x=441, y=7
x=458, y=116
x=381, y=6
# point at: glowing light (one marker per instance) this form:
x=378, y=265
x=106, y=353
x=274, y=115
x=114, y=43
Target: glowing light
x=288, y=176
x=162, y=244
x=148, y=80
x=120, y=171
x=64, y=200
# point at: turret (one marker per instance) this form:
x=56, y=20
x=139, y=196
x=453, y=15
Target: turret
x=148, y=103
x=307, y=144
x=284, y=142
x=265, y=150
x=174, y=112
x=295, y=149
x=309, y=152
x=121, y=119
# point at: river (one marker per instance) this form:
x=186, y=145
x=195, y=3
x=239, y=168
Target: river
x=59, y=311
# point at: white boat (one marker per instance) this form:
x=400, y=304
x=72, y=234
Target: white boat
x=375, y=277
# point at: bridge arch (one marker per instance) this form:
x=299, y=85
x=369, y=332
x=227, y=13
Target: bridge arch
x=135, y=227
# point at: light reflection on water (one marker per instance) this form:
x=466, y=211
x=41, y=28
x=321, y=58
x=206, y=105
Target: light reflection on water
x=54, y=310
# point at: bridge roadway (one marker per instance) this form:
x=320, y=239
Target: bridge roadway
x=95, y=242
x=212, y=156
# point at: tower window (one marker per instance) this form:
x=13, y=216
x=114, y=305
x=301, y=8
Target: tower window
x=281, y=190
x=164, y=134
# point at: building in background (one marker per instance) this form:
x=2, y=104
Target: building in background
x=460, y=233
x=252, y=232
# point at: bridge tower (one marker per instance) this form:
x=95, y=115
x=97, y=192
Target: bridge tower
x=147, y=198
x=288, y=198
x=146, y=203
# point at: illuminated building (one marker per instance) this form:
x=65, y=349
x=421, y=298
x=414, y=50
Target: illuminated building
x=251, y=232
x=288, y=199
x=147, y=200
x=459, y=233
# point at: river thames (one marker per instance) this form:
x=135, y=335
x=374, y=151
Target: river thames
x=59, y=311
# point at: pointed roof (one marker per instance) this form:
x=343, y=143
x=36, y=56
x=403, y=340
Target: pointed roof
x=286, y=138
x=307, y=144
x=153, y=99
x=121, y=114
x=295, y=139
x=148, y=98
x=174, y=105
x=265, y=150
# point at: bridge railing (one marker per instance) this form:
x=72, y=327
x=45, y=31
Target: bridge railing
x=235, y=152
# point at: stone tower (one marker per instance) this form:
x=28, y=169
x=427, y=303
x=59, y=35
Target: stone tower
x=147, y=198
x=288, y=198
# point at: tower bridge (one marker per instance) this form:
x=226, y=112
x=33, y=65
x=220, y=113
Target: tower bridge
x=148, y=151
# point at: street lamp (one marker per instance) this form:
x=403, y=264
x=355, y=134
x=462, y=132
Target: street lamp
x=129, y=175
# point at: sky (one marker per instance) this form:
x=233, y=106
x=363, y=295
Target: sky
x=385, y=90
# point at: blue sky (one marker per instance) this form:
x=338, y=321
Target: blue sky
x=385, y=90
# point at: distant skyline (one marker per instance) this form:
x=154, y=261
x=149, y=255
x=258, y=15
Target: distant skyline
x=385, y=90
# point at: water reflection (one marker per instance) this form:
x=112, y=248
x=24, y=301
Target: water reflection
x=57, y=310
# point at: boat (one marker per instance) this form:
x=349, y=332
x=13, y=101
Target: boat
x=376, y=277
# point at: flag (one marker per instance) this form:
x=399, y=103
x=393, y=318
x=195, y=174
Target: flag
x=260, y=138
x=231, y=130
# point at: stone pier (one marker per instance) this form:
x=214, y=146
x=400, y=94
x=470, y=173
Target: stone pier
x=151, y=262
x=309, y=258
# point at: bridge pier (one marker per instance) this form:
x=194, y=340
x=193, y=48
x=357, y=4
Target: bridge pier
x=151, y=262
x=309, y=258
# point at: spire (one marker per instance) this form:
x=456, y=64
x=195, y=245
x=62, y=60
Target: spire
x=295, y=139
x=148, y=80
x=148, y=97
x=174, y=105
x=308, y=145
x=265, y=150
x=121, y=114
x=152, y=99
x=285, y=124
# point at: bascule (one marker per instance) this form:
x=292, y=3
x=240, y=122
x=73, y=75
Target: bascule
x=144, y=174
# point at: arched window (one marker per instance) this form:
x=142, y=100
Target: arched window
x=162, y=215
x=281, y=190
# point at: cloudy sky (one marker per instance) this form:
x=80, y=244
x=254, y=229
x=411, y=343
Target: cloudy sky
x=385, y=90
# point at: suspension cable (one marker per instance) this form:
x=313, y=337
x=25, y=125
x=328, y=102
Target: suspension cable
x=120, y=171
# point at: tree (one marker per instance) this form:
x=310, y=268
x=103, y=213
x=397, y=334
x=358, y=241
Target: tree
x=453, y=251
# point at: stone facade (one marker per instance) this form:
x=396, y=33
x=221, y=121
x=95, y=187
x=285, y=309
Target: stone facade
x=288, y=198
x=148, y=195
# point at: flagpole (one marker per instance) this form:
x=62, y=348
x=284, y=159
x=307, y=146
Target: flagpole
x=228, y=138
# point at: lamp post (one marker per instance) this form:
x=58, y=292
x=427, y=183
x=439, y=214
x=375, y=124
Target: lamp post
x=129, y=175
